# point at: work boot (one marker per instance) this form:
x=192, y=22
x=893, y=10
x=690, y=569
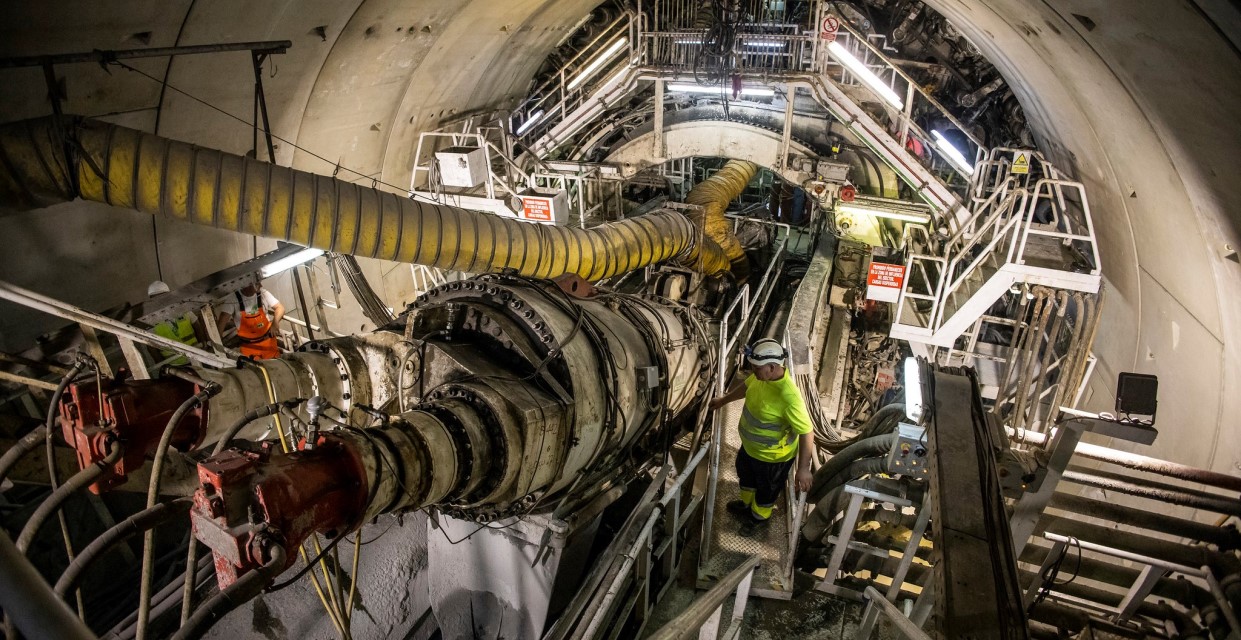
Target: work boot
x=739, y=509
x=754, y=528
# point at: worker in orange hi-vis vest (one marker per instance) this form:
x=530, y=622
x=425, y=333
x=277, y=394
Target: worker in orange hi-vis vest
x=256, y=329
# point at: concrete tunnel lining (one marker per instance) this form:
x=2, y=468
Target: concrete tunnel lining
x=1093, y=102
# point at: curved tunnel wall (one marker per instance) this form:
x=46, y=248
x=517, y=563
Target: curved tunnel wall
x=1123, y=99
x=1125, y=104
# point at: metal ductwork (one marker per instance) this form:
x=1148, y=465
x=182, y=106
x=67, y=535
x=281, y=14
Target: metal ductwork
x=714, y=194
x=56, y=159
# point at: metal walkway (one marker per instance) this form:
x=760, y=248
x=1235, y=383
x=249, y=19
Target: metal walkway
x=727, y=548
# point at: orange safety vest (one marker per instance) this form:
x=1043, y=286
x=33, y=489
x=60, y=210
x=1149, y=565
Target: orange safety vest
x=253, y=331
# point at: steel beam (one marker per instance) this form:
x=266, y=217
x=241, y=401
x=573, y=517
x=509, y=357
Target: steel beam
x=101, y=57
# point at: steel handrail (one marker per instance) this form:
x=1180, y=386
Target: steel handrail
x=906, y=626
x=1007, y=228
x=909, y=79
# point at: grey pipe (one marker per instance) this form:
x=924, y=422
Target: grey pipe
x=1154, y=490
x=1225, y=538
x=1040, y=382
x=30, y=603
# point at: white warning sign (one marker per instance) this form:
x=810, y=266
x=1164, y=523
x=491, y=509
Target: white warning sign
x=1021, y=162
x=884, y=282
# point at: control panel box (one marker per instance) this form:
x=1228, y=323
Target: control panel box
x=462, y=166
x=909, y=455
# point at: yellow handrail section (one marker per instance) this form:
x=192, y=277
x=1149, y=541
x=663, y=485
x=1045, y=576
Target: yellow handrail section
x=55, y=159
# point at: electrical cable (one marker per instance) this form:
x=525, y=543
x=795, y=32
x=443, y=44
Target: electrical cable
x=314, y=580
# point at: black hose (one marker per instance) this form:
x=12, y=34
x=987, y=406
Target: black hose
x=141, y=521
x=62, y=493
x=233, y=596
x=250, y=416
x=23, y=446
x=864, y=448
x=883, y=420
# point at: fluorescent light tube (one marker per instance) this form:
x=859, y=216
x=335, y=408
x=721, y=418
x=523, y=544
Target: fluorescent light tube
x=770, y=44
x=913, y=391
x=905, y=216
x=954, y=155
x=697, y=88
x=844, y=57
x=594, y=65
x=288, y=262
x=530, y=122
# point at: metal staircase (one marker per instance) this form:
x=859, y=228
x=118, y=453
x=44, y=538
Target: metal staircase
x=1026, y=230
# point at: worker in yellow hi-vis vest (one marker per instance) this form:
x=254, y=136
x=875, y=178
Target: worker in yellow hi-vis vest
x=776, y=432
x=180, y=329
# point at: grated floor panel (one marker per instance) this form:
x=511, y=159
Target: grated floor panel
x=727, y=548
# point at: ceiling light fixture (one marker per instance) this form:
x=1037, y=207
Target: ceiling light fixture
x=697, y=88
x=866, y=75
x=953, y=154
x=530, y=122
x=594, y=65
x=905, y=216
x=288, y=262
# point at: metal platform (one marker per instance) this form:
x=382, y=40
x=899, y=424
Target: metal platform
x=727, y=549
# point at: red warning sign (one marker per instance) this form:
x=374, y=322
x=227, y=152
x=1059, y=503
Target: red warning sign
x=884, y=282
x=828, y=28
x=535, y=208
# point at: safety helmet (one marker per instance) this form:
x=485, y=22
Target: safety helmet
x=765, y=351
x=156, y=288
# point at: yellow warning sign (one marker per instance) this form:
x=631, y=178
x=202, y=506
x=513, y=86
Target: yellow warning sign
x=1021, y=162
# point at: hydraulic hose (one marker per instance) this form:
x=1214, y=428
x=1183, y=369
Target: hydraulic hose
x=23, y=446
x=714, y=194
x=250, y=416
x=157, y=470
x=141, y=521
x=882, y=420
x=56, y=159
x=861, y=449
x=52, y=503
x=233, y=596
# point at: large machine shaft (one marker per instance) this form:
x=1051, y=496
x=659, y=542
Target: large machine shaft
x=490, y=398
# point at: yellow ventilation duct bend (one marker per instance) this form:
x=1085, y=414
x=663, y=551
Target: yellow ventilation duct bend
x=50, y=160
x=714, y=194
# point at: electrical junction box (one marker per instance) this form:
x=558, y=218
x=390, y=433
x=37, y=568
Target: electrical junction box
x=909, y=455
x=544, y=206
x=462, y=166
x=832, y=171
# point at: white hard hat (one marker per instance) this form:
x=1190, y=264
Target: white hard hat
x=765, y=351
x=156, y=288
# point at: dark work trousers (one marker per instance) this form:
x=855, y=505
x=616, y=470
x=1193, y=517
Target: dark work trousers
x=761, y=482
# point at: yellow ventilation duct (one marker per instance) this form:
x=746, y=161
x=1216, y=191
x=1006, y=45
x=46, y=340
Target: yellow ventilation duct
x=714, y=194
x=49, y=160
